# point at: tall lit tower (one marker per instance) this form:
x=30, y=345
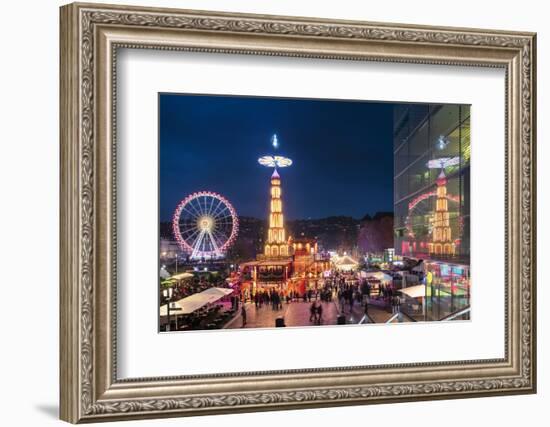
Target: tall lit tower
x=442, y=242
x=277, y=243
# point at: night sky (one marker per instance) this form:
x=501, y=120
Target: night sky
x=342, y=153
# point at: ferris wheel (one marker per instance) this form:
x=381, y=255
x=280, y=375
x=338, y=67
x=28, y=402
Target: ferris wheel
x=205, y=225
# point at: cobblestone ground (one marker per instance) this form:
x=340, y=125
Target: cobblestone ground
x=377, y=312
x=298, y=314
x=294, y=314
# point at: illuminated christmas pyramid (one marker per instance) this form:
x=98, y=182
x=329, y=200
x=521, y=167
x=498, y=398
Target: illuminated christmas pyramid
x=442, y=240
x=276, y=244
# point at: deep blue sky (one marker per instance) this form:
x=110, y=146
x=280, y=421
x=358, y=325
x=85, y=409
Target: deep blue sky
x=342, y=153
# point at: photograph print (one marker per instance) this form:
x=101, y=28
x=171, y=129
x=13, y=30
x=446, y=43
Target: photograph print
x=284, y=212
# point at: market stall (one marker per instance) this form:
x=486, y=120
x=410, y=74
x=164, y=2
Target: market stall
x=192, y=303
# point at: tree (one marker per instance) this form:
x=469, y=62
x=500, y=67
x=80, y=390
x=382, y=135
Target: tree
x=376, y=234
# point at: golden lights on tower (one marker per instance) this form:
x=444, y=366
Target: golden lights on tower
x=442, y=241
x=276, y=244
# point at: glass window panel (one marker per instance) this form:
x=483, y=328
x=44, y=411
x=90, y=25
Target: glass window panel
x=401, y=186
x=419, y=174
x=465, y=141
x=419, y=142
x=401, y=159
x=443, y=122
x=417, y=114
x=401, y=125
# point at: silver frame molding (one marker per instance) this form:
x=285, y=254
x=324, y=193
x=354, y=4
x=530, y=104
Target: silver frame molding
x=90, y=37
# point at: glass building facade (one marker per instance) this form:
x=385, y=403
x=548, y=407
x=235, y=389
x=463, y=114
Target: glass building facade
x=432, y=181
x=432, y=199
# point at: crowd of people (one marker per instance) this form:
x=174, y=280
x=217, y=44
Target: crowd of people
x=269, y=297
x=348, y=291
x=344, y=288
x=186, y=287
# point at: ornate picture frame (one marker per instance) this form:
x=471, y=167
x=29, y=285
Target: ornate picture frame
x=90, y=37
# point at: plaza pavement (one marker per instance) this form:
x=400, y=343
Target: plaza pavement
x=297, y=313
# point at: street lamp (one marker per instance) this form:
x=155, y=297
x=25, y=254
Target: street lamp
x=176, y=263
x=167, y=293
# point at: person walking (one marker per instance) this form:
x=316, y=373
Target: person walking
x=341, y=300
x=397, y=303
x=313, y=312
x=319, y=314
x=243, y=315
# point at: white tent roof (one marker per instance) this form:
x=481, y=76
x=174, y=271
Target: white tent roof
x=194, y=302
x=181, y=276
x=345, y=260
x=414, y=291
x=379, y=275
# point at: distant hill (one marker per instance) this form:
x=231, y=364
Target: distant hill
x=336, y=232
x=376, y=233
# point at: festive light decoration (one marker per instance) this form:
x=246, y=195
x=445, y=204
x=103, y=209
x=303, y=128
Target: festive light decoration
x=205, y=225
x=274, y=141
x=440, y=229
x=277, y=244
x=442, y=242
x=416, y=201
x=275, y=161
x=442, y=142
x=443, y=162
